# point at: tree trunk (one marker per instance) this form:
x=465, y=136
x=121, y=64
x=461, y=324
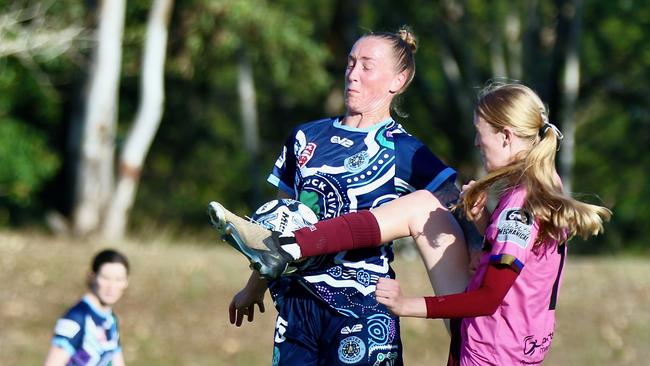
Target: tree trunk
x=571, y=85
x=146, y=122
x=94, y=179
x=514, y=41
x=248, y=109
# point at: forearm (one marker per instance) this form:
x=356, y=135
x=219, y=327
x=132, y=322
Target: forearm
x=256, y=283
x=480, y=302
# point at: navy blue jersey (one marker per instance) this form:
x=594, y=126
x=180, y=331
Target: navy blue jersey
x=88, y=334
x=335, y=169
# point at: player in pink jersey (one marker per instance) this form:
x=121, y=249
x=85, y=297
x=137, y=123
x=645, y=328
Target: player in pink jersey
x=507, y=314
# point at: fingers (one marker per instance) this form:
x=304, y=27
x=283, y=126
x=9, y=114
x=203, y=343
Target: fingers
x=386, y=289
x=232, y=312
x=260, y=305
x=237, y=311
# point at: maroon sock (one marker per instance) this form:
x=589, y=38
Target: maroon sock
x=349, y=231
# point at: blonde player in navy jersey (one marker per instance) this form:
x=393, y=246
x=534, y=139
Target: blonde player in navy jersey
x=88, y=334
x=507, y=314
x=327, y=313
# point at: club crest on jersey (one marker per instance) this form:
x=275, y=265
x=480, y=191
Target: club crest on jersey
x=354, y=329
x=515, y=225
x=357, y=162
x=351, y=350
x=345, y=142
x=306, y=154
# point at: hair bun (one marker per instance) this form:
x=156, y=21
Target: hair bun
x=406, y=34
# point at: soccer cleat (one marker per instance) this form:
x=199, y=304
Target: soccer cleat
x=260, y=245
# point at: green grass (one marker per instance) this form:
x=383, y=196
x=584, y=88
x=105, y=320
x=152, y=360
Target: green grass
x=175, y=311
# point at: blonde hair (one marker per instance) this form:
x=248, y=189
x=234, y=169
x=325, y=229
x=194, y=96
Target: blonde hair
x=560, y=217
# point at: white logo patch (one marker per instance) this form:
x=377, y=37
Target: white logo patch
x=66, y=328
x=355, y=328
x=514, y=225
x=341, y=141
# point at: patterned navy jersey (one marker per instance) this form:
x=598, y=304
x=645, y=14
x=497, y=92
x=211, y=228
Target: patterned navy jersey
x=335, y=169
x=88, y=334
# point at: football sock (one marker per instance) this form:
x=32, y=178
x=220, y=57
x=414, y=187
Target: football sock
x=350, y=231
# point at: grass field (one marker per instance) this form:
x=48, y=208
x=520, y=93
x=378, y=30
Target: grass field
x=175, y=310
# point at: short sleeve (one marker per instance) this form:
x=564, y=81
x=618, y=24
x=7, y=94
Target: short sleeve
x=419, y=167
x=68, y=331
x=284, y=171
x=511, y=233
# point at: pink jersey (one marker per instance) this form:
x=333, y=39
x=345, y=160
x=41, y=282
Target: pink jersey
x=521, y=330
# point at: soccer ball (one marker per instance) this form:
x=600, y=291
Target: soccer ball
x=284, y=215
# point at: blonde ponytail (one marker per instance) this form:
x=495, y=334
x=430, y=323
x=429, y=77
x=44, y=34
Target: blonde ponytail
x=560, y=216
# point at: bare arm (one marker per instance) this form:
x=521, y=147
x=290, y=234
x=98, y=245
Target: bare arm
x=57, y=356
x=118, y=359
x=243, y=303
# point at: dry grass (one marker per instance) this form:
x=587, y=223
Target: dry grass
x=175, y=311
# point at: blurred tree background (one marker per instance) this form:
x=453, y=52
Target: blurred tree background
x=589, y=61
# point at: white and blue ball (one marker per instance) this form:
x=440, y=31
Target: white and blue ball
x=284, y=215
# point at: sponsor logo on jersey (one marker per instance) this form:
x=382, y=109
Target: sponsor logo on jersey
x=345, y=142
x=351, y=350
x=357, y=162
x=515, y=225
x=306, y=154
x=354, y=329
x=532, y=344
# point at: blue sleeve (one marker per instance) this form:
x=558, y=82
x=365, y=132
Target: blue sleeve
x=419, y=167
x=284, y=171
x=69, y=331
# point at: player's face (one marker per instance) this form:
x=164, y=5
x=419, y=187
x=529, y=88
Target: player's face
x=370, y=78
x=491, y=144
x=110, y=282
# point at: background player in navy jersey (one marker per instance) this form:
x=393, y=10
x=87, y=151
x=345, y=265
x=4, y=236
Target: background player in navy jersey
x=87, y=335
x=327, y=312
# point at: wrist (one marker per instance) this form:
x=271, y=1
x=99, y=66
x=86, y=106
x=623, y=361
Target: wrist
x=415, y=307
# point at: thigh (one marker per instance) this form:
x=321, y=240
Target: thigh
x=372, y=341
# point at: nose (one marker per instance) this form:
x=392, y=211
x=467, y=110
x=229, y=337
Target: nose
x=476, y=144
x=351, y=73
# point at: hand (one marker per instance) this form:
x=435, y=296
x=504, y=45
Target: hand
x=389, y=293
x=243, y=303
x=478, y=208
x=480, y=213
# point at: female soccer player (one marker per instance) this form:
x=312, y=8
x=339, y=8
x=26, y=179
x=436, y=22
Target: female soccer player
x=87, y=335
x=507, y=314
x=327, y=313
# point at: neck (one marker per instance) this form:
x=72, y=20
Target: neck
x=97, y=302
x=364, y=120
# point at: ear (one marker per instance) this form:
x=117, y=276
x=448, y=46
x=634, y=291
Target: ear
x=398, y=82
x=507, y=136
x=91, y=279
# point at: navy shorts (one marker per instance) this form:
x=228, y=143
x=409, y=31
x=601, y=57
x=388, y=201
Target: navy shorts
x=310, y=333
